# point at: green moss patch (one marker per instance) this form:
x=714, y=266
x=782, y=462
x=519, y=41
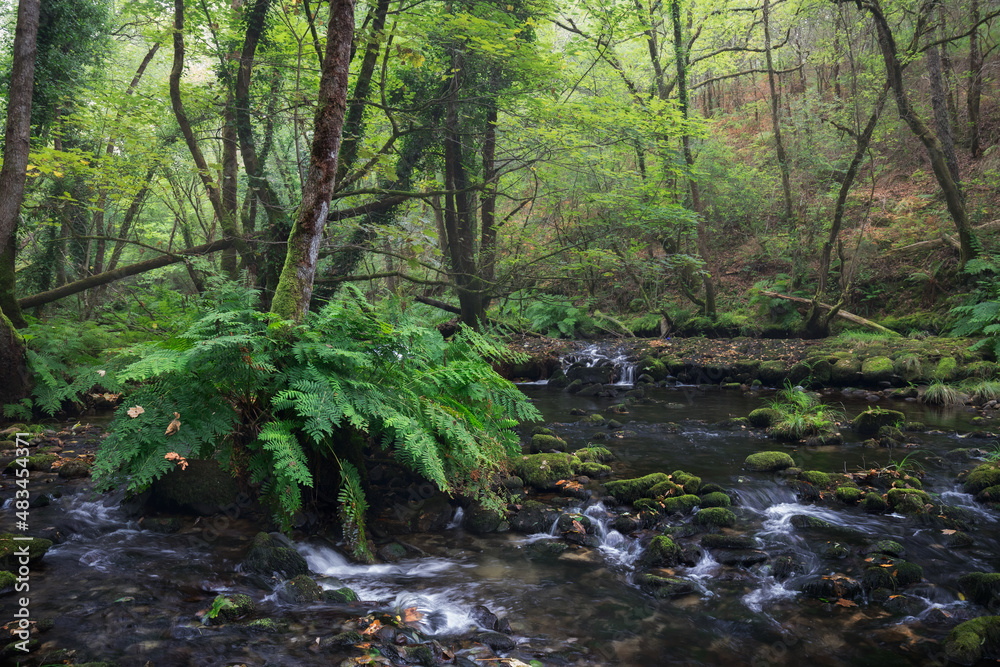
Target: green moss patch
x=542, y=471
x=718, y=517
x=630, y=490
x=973, y=640
x=768, y=461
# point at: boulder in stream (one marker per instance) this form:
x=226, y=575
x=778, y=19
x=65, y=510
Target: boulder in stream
x=871, y=420
x=9, y=547
x=664, y=587
x=629, y=490
x=542, y=471
x=982, y=588
x=768, y=461
x=973, y=640
x=266, y=556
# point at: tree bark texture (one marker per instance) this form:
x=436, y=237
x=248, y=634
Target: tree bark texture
x=294, y=290
x=14, y=380
x=942, y=119
x=975, y=81
x=786, y=186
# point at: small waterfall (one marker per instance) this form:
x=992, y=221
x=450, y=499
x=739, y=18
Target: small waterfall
x=456, y=520
x=595, y=355
x=616, y=547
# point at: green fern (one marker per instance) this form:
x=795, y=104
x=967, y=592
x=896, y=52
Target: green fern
x=261, y=397
x=353, y=506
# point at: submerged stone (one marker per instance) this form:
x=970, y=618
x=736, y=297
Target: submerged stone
x=343, y=594
x=721, y=541
x=229, y=608
x=664, y=587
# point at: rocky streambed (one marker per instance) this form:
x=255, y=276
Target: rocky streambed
x=648, y=524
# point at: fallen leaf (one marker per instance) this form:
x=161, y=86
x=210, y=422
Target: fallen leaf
x=948, y=531
x=841, y=602
x=411, y=615
x=372, y=628
x=174, y=425
x=135, y=411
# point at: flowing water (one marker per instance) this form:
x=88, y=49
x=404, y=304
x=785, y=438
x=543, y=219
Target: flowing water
x=118, y=590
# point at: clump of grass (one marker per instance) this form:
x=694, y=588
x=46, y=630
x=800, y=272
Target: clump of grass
x=940, y=393
x=984, y=392
x=802, y=415
x=908, y=366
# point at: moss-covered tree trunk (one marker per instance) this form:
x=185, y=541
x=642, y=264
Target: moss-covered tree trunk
x=294, y=291
x=14, y=381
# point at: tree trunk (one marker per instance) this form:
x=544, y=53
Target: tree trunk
x=975, y=81
x=226, y=221
x=786, y=186
x=14, y=380
x=680, y=57
x=861, y=147
x=942, y=120
x=8, y=300
x=894, y=70
x=294, y=290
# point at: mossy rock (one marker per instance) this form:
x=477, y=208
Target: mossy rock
x=907, y=501
x=690, y=483
x=595, y=470
x=203, y=488
x=534, y=517
x=875, y=504
x=981, y=587
x=907, y=573
x=342, y=595
x=947, y=370
x=681, y=504
x=799, y=372
x=821, y=371
x=849, y=494
x=594, y=453
x=973, y=640
x=989, y=495
x=666, y=488
x=887, y=547
x=300, y=590
x=982, y=477
x=871, y=420
x=648, y=505
x=720, y=541
x=711, y=487
x=265, y=625
x=764, y=417
x=876, y=369
x=267, y=556
x=716, y=499
x=596, y=419
x=772, y=373
x=541, y=430
x=655, y=368
x=231, y=608
x=664, y=587
x=815, y=477
x=661, y=552
x=877, y=577
x=542, y=471
x=484, y=520
x=629, y=490
x=846, y=371
x=768, y=461
x=545, y=443
x=718, y=517
x=7, y=580
x=36, y=463
x=9, y=548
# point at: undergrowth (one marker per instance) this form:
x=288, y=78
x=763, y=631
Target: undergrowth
x=262, y=395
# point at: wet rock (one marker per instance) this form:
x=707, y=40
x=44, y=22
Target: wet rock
x=37, y=463
x=229, y=608
x=785, y=566
x=815, y=477
x=661, y=552
x=625, y=524
x=482, y=520
x=629, y=490
x=391, y=552
x=768, y=461
x=907, y=501
x=716, y=499
x=40, y=500
x=595, y=470
x=265, y=626
x=876, y=369
x=710, y=488
x=594, y=454
x=870, y=421
x=267, y=556
x=764, y=417
x=888, y=547
x=340, y=595
x=825, y=440
x=845, y=372
x=163, y=525
x=982, y=477
x=300, y=590
x=546, y=549
x=546, y=443
x=533, y=517
x=664, y=587
x=74, y=468
x=690, y=483
x=716, y=517
x=484, y=618
x=740, y=557
x=850, y=495
x=680, y=504
x=982, y=588
x=497, y=641
x=9, y=548
x=875, y=504
x=542, y=471
x=827, y=529
x=203, y=488
x=973, y=640
x=835, y=551
x=819, y=586
x=591, y=374
x=725, y=541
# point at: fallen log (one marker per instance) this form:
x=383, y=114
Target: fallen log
x=945, y=239
x=850, y=317
x=89, y=282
